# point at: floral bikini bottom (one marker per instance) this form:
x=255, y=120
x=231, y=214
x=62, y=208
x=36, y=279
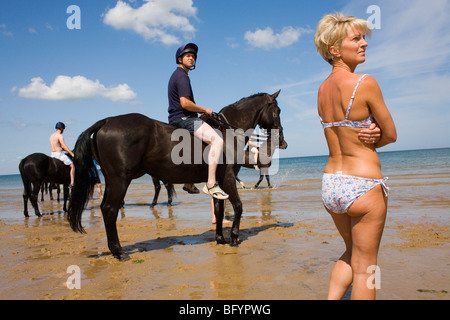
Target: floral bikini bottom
x=340, y=191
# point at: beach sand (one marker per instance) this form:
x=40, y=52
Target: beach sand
x=288, y=248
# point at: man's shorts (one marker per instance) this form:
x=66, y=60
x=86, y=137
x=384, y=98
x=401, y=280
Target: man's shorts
x=63, y=157
x=189, y=123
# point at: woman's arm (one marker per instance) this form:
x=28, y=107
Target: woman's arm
x=380, y=112
x=371, y=135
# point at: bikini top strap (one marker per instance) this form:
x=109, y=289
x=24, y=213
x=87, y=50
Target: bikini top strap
x=353, y=96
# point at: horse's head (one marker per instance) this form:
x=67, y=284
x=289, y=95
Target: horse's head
x=270, y=119
x=260, y=109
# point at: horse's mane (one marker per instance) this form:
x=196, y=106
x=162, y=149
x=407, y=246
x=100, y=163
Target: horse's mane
x=243, y=100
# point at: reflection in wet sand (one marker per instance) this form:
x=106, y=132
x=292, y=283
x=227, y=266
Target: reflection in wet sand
x=288, y=246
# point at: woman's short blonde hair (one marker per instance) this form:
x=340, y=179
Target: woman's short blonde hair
x=332, y=29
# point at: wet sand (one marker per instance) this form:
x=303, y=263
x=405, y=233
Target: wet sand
x=288, y=247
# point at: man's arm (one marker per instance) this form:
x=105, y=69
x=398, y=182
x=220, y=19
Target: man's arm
x=187, y=104
x=64, y=146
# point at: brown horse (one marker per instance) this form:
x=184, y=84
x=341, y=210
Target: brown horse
x=129, y=146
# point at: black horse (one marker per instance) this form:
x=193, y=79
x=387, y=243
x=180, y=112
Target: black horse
x=264, y=161
x=48, y=188
x=132, y=145
x=38, y=168
x=170, y=192
x=188, y=187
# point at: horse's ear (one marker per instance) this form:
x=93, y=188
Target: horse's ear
x=275, y=95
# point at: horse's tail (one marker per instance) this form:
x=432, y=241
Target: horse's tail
x=82, y=188
x=25, y=180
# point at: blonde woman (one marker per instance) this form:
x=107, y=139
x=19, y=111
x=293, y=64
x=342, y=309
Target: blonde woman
x=354, y=191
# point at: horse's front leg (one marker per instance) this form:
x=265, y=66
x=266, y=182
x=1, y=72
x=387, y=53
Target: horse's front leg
x=42, y=192
x=66, y=196
x=58, y=191
x=235, y=200
x=261, y=177
x=237, y=206
x=268, y=181
x=170, y=189
x=157, y=185
x=219, y=208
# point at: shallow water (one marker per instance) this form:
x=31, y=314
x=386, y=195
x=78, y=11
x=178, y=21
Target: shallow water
x=288, y=243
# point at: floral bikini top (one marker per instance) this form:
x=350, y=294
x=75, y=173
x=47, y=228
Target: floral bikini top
x=348, y=123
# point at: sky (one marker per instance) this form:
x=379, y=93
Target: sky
x=80, y=61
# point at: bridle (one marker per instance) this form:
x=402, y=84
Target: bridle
x=221, y=120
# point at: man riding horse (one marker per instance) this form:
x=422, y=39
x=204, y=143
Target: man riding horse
x=58, y=145
x=183, y=113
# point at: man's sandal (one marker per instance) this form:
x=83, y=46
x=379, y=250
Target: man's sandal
x=215, y=191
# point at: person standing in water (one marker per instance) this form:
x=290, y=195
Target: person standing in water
x=354, y=191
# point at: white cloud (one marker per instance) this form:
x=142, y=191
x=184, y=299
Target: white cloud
x=19, y=125
x=5, y=31
x=231, y=42
x=409, y=56
x=267, y=39
x=156, y=20
x=72, y=88
x=413, y=38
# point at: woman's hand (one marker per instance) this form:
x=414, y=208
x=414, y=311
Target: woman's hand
x=371, y=135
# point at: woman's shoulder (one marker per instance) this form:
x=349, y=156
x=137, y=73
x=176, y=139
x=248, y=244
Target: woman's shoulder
x=369, y=83
x=367, y=79
x=347, y=81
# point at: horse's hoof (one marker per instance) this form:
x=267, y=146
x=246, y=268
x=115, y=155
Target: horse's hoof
x=122, y=257
x=221, y=240
x=234, y=242
x=191, y=188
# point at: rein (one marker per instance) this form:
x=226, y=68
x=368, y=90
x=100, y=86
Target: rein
x=221, y=120
x=217, y=119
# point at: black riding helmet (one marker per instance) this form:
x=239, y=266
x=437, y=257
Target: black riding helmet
x=188, y=48
x=60, y=125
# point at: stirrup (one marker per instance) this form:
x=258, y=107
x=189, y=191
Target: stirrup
x=215, y=191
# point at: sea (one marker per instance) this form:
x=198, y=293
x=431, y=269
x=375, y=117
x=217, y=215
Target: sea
x=419, y=180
